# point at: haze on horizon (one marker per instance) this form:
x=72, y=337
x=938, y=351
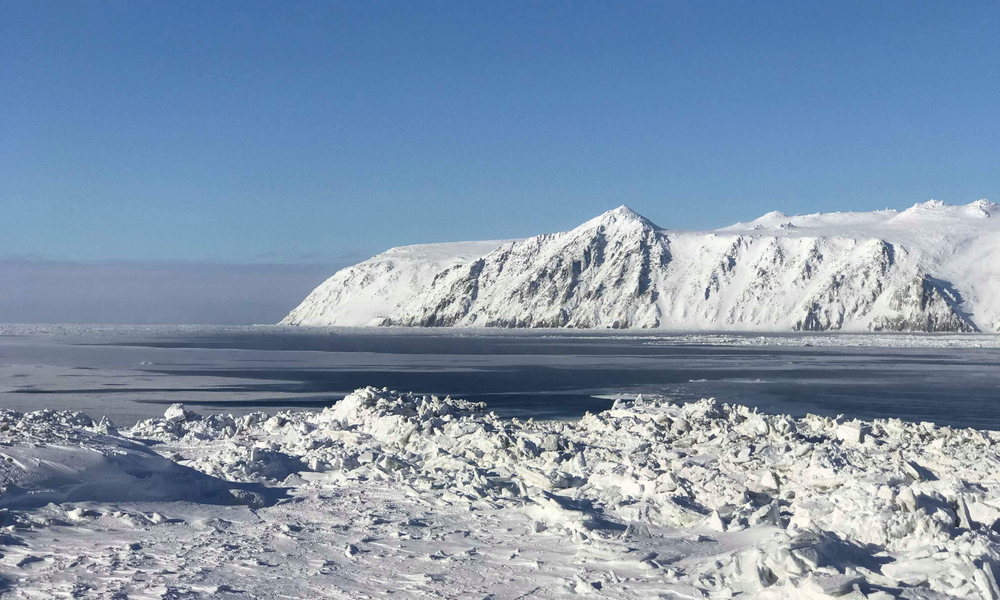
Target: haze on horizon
x=166, y=162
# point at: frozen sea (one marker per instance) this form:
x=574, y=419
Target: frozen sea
x=132, y=372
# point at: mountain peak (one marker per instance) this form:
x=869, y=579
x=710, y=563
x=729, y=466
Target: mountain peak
x=622, y=216
x=937, y=210
x=624, y=212
x=982, y=208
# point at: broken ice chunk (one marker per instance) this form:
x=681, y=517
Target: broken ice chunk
x=917, y=472
x=906, y=499
x=769, y=481
x=850, y=433
x=715, y=521
x=176, y=413
x=107, y=427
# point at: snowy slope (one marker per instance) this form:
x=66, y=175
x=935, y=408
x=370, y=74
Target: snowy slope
x=365, y=293
x=933, y=267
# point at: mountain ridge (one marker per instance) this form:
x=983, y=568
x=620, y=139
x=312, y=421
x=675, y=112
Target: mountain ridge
x=933, y=267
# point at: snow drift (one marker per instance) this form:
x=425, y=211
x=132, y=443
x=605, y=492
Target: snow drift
x=933, y=267
x=62, y=456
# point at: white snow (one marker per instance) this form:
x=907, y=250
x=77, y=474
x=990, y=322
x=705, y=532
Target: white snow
x=933, y=267
x=363, y=294
x=60, y=456
x=391, y=493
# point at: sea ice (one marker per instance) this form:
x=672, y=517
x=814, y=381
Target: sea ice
x=397, y=493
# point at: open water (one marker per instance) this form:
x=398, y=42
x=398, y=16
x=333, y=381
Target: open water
x=130, y=373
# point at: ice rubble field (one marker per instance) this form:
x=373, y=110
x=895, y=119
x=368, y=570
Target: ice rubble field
x=389, y=494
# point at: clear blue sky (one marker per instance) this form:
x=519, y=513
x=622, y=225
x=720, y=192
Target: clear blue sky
x=291, y=131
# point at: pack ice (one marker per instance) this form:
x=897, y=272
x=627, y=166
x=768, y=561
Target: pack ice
x=395, y=494
x=933, y=267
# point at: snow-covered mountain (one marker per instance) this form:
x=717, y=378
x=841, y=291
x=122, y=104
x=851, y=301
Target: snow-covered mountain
x=366, y=293
x=933, y=267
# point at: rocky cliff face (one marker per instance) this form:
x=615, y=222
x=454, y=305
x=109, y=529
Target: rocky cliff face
x=884, y=271
x=602, y=274
x=923, y=304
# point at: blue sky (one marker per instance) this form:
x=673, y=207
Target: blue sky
x=284, y=131
x=290, y=132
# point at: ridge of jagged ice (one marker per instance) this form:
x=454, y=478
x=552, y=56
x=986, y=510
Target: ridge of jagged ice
x=649, y=498
x=930, y=268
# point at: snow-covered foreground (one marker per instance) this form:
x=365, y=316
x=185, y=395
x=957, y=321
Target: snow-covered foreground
x=388, y=493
